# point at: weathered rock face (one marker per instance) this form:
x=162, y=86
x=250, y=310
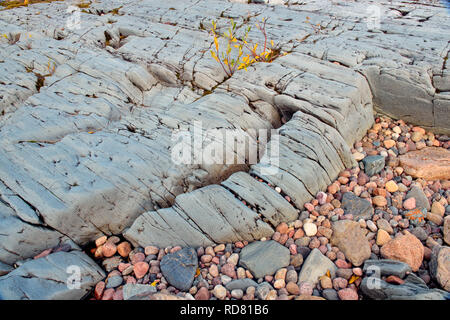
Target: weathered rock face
x=349, y=237
x=428, y=163
x=58, y=276
x=87, y=148
x=406, y=248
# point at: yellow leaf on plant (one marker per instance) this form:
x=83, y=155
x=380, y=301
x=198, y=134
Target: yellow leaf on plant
x=153, y=284
x=353, y=279
x=216, y=43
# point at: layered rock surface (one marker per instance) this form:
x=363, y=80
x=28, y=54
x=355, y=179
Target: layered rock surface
x=88, y=114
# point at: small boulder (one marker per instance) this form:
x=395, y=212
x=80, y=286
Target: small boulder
x=350, y=238
x=179, y=268
x=406, y=248
x=359, y=208
x=373, y=164
x=264, y=257
x=315, y=266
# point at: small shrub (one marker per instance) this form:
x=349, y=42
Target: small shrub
x=231, y=61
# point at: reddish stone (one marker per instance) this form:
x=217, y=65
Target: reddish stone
x=100, y=241
x=406, y=248
x=429, y=163
x=123, y=266
x=43, y=254
x=293, y=249
x=109, y=249
x=118, y=295
x=151, y=250
x=348, y=294
x=239, y=245
x=137, y=257
x=228, y=270
x=175, y=249
x=283, y=239
x=409, y=203
x=131, y=280
x=342, y=264
x=215, y=260
x=140, y=269
x=202, y=294
x=394, y=279
x=309, y=207
x=124, y=249
x=108, y=294
x=292, y=288
x=282, y=228
x=339, y=283
x=99, y=288
x=299, y=234
x=206, y=258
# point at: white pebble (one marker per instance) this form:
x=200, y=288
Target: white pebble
x=310, y=229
